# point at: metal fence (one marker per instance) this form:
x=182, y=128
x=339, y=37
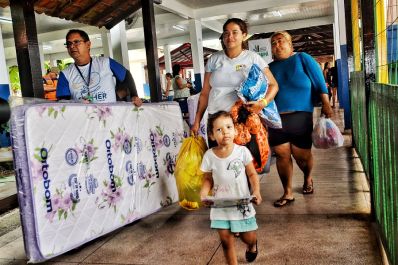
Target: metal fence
x=383, y=128
x=375, y=117
x=359, y=119
x=380, y=135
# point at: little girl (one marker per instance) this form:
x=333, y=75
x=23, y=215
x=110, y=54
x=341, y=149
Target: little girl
x=225, y=167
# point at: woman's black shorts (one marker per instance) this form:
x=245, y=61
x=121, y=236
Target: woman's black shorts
x=296, y=129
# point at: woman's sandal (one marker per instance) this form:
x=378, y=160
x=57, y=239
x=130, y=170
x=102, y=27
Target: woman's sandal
x=283, y=202
x=308, y=189
x=251, y=256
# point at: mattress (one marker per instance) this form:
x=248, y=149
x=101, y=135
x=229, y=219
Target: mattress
x=85, y=170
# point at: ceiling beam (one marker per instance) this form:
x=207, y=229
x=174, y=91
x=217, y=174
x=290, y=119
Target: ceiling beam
x=214, y=25
x=173, y=19
x=163, y=19
x=176, y=7
x=328, y=42
x=289, y=25
x=10, y=55
x=322, y=30
x=327, y=50
x=176, y=40
x=243, y=6
x=57, y=35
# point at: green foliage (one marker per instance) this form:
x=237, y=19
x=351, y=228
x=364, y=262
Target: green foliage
x=62, y=64
x=47, y=66
x=14, y=73
x=14, y=79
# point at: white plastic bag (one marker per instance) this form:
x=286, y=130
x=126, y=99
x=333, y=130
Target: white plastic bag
x=326, y=134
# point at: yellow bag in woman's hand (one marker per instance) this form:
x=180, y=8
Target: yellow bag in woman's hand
x=187, y=172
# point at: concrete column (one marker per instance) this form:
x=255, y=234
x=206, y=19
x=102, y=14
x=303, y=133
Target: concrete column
x=167, y=58
x=195, y=33
x=336, y=33
x=4, y=78
x=106, y=44
x=342, y=62
x=119, y=44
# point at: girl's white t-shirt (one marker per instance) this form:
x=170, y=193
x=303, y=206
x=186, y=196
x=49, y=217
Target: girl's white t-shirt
x=230, y=181
x=226, y=77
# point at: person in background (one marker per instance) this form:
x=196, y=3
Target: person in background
x=327, y=74
x=91, y=78
x=181, y=89
x=334, y=84
x=169, y=92
x=50, y=81
x=300, y=78
x=225, y=71
x=226, y=183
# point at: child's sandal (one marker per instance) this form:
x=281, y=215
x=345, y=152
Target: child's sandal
x=251, y=256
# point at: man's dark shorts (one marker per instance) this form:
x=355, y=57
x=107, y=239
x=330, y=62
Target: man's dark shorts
x=296, y=129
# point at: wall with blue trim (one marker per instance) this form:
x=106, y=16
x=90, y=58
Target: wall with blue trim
x=198, y=83
x=343, y=89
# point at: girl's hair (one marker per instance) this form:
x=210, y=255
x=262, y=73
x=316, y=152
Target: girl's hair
x=285, y=34
x=243, y=27
x=215, y=116
x=169, y=75
x=326, y=66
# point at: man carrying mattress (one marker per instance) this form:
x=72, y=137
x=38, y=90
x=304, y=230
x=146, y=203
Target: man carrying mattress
x=91, y=78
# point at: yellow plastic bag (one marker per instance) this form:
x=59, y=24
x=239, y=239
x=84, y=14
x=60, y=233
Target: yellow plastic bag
x=187, y=172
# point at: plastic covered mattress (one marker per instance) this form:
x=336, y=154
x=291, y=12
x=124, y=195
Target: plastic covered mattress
x=84, y=170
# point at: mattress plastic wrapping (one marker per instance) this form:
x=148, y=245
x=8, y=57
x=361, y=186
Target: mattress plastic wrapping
x=193, y=102
x=84, y=170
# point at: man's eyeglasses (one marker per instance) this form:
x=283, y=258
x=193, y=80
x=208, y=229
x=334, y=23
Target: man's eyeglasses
x=69, y=44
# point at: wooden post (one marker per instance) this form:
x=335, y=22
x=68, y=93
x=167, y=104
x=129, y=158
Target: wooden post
x=27, y=49
x=151, y=48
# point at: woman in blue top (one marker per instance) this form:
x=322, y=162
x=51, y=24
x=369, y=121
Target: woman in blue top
x=299, y=78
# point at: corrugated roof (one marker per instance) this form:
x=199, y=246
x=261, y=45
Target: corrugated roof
x=103, y=13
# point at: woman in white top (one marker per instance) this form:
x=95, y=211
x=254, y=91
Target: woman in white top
x=224, y=73
x=181, y=88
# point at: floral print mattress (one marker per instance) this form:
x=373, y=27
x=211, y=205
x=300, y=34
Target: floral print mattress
x=85, y=170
